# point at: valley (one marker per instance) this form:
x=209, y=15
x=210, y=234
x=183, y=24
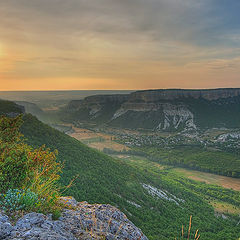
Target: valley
x=108, y=143
x=119, y=120
x=157, y=178
x=196, y=151
x=140, y=189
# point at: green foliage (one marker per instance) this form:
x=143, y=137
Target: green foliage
x=15, y=200
x=14, y=167
x=103, y=179
x=197, y=158
x=7, y=107
x=22, y=167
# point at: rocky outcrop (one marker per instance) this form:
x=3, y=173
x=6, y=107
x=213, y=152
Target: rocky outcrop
x=162, y=110
x=78, y=221
x=97, y=101
x=172, y=94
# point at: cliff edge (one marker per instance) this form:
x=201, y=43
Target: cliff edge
x=79, y=220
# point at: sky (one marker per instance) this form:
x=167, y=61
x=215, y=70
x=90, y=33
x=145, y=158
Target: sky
x=119, y=44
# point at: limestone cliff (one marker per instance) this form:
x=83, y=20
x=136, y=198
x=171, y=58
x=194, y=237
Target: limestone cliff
x=172, y=94
x=171, y=109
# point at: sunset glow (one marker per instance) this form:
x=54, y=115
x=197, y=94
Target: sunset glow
x=106, y=44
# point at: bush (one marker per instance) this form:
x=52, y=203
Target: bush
x=15, y=200
x=34, y=171
x=13, y=155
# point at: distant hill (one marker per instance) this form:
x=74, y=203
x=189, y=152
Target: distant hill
x=160, y=110
x=10, y=108
x=35, y=110
x=30, y=107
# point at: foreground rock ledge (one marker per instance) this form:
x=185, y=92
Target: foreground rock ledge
x=79, y=220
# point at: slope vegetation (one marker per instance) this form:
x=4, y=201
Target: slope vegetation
x=157, y=201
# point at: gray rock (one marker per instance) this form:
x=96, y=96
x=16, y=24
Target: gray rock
x=69, y=201
x=3, y=218
x=82, y=221
x=5, y=226
x=5, y=230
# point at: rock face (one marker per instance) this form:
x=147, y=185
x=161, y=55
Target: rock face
x=78, y=221
x=172, y=94
x=160, y=110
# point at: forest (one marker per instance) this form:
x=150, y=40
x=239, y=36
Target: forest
x=102, y=179
x=196, y=158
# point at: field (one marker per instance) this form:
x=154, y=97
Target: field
x=100, y=141
x=97, y=140
x=225, y=208
x=209, y=178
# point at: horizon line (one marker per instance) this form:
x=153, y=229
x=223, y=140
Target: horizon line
x=146, y=89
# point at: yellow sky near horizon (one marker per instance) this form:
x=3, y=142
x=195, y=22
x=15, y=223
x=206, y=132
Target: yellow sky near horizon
x=86, y=45
x=34, y=69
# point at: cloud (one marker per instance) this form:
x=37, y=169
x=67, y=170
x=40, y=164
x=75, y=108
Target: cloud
x=117, y=39
x=194, y=22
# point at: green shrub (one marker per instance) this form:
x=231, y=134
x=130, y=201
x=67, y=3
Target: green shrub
x=34, y=171
x=13, y=155
x=15, y=200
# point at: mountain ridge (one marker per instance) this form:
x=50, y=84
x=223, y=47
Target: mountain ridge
x=161, y=110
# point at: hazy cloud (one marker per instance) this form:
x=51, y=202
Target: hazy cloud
x=90, y=38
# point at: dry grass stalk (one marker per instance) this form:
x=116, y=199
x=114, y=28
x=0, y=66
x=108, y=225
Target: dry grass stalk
x=196, y=236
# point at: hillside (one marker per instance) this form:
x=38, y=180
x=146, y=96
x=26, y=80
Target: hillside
x=152, y=200
x=156, y=200
x=10, y=108
x=160, y=110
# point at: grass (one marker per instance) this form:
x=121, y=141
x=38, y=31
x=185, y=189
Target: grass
x=209, y=178
x=142, y=162
x=225, y=208
x=187, y=235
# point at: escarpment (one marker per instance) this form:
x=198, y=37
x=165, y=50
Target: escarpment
x=160, y=110
x=173, y=94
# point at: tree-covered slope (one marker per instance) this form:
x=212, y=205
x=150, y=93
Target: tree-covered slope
x=99, y=175
x=131, y=188
x=197, y=158
x=10, y=108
